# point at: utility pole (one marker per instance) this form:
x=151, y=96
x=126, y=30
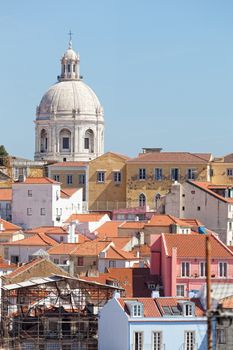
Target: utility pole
x=208, y=292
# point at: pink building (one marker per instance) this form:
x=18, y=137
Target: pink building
x=180, y=261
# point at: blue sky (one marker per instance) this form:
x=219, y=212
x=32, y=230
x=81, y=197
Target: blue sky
x=163, y=70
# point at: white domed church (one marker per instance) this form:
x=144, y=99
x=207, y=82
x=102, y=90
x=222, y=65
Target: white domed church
x=69, y=119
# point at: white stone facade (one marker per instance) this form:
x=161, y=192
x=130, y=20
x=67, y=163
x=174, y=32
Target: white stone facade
x=69, y=119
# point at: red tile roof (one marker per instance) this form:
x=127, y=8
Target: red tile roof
x=90, y=248
x=63, y=249
x=38, y=181
x=51, y=230
x=166, y=220
x=8, y=227
x=108, y=229
x=39, y=239
x=153, y=306
x=119, y=254
x=68, y=192
x=138, y=225
x=172, y=158
x=85, y=217
x=194, y=246
x=227, y=303
x=24, y=267
x=5, y=194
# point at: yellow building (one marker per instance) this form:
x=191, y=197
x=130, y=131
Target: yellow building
x=222, y=170
x=107, y=182
x=150, y=175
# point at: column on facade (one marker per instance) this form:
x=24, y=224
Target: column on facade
x=76, y=148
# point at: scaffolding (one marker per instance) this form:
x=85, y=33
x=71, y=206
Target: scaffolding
x=53, y=313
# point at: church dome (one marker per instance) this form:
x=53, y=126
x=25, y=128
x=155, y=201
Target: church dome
x=70, y=54
x=65, y=97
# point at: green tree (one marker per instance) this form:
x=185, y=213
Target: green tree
x=3, y=152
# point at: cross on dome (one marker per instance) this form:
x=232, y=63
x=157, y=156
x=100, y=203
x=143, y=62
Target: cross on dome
x=70, y=41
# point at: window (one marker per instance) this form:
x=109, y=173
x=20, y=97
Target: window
x=68, y=68
x=230, y=172
x=138, y=341
x=185, y=269
x=42, y=211
x=188, y=310
x=65, y=143
x=203, y=269
x=158, y=174
x=69, y=179
x=29, y=211
x=198, y=208
x=14, y=259
x=222, y=269
x=80, y=261
x=142, y=174
x=191, y=174
x=166, y=310
x=86, y=143
x=56, y=177
x=174, y=174
x=8, y=206
x=100, y=176
x=183, y=208
x=142, y=200
x=137, y=310
x=31, y=257
x=6, y=253
x=61, y=238
x=29, y=193
x=221, y=336
x=74, y=68
x=157, y=341
x=112, y=263
x=81, y=179
x=189, y=340
x=117, y=176
x=56, y=261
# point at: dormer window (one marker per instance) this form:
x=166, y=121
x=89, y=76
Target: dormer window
x=137, y=310
x=188, y=309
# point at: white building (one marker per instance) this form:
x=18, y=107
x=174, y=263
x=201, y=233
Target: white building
x=211, y=204
x=69, y=119
x=42, y=202
x=147, y=323
x=86, y=224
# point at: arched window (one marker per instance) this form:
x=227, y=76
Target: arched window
x=43, y=141
x=89, y=141
x=65, y=140
x=142, y=200
x=157, y=199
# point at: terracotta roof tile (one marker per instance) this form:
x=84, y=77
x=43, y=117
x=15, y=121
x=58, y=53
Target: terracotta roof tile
x=172, y=157
x=85, y=217
x=5, y=194
x=138, y=225
x=24, y=267
x=166, y=220
x=118, y=254
x=195, y=246
x=90, y=248
x=9, y=227
x=227, y=303
x=207, y=187
x=108, y=229
x=62, y=249
x=56, y=230
x=39, y=239
x=38, y=181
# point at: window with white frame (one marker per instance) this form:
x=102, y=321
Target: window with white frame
x=142, y=174
x=69, y=179
x=180, y=290
x=158, y=174
x=157, y=341
x=101, y=176
x=202, y=268
x=175, y=174
x=137, y=310
x=191, y=174
x=188, y=310
x=29, y=211
x=42, y=212
x=189, y=340
x=29, y=193
x=138, y=341
x=117, y=176
x=222, y=266
x=230, y=172
x=185, y=269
